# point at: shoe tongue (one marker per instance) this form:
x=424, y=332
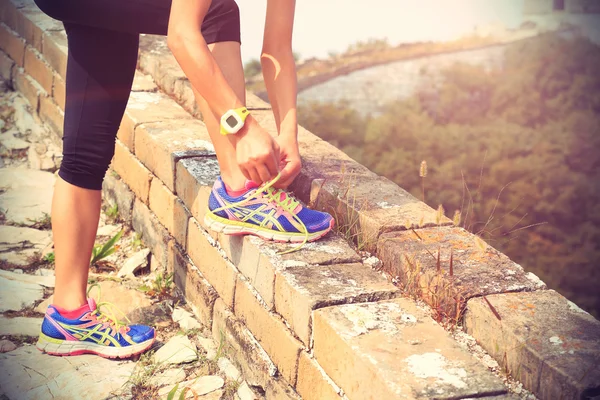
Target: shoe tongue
x=91, y=303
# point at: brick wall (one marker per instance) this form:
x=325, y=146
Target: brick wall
x=319, y=323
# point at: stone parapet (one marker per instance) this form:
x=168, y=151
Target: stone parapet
x=320, y=322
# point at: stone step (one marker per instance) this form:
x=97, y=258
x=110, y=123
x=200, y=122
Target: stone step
x=394, y=350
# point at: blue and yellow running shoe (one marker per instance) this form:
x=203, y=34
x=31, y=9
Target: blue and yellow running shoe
x=89, y=330
x=264, y=211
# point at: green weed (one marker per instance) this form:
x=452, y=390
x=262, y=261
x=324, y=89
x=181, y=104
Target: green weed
x=102, y=251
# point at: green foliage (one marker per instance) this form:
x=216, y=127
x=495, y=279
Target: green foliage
x=112, y=212
x=252, y=68
x=102, y=251
x=162, y=286
x=514, y=150
x=49, y=258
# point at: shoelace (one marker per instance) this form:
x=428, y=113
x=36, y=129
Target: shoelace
x=288, y=203
x=107, y=315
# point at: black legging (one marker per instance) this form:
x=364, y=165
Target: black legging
x=103, y=38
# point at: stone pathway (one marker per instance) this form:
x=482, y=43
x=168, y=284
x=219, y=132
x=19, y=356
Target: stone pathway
x=184, y=357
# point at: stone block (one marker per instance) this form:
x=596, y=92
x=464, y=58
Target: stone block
x=160, y=145
x=37, y=68
x=269, y=329
x=143, y=83
x=279, y=389
x=478, y=269
x=117, y=192
x=54, y=50
x=241, y=346
x=6, y=66
x=300, y=289
x=51, y=114
x=154, y=235
x=132, y=172
x=545, y=341
x=143, y=107
x=313, y=383
x=394, y=350
x=195, y=178
x=259, y=260
x=218, y=271
x=168, y=209
x=12, y=44
x=33, y=23
x=188, y=278
x=59, y=91
x=28, y=87
x=253, y=102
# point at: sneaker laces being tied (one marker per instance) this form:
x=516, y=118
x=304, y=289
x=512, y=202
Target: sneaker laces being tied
x=280, y=197
x=104, y=313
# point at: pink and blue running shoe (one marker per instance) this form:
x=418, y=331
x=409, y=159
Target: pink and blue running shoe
x=264, y=211
x=88, y=330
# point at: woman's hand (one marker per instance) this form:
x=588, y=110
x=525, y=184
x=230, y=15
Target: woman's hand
x=290, y=161
x=257, y=153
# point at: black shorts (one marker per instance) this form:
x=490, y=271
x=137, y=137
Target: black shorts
x=103, y=39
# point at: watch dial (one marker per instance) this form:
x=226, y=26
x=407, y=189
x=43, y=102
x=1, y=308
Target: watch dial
x=231, y=121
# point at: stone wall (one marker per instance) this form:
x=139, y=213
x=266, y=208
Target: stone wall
x=319, y=323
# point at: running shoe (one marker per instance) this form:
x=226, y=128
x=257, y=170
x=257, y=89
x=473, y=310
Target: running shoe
x=89, y=330
x=264, y=211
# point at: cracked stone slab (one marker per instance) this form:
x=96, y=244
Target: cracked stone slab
x=478, y=269
x=28, y=374
x=27, y=196
x=394, y=350
x=20, y=326
x=17, y=295
x=300, y=289
x=47, y=281
x=19, y=244
x=179, y=349
x=547, y=342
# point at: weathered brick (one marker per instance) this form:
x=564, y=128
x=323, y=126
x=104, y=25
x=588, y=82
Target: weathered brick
x=51, y=114
x=313, y=382
x=132, y=172
x=300, y=289
x=195, y=178
x=33, y=23
x=59, y=91
x=160, y=145
x=279, y=389
x=6, y=66
x=242, y=347
x=169, y=210
x=154, y=235
x=546, y=342
x=270, y=331
x=478, y=269
x=259, y=260
x=12, y=44
x=117, y=192
x=145, y=107
x=143, y=83
x=196, y=289
x=10, y=13
x=54, y=50
x=38, y=69
x=28, y=87
x=394, y=350
x=218, y=271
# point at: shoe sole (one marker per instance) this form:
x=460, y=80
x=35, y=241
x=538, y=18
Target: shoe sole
x=57, y=347
x=228, y=227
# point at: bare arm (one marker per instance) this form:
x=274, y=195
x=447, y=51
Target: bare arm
x=279, y=72
x=256, y=152
x=279, y=67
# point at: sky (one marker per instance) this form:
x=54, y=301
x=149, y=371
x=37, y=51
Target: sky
x=323, y=26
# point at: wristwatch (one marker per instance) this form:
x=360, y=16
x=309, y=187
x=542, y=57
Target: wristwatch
x=233, y=120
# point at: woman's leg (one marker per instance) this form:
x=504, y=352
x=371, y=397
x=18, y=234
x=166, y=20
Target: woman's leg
x=229, y=59
x=100, y=70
